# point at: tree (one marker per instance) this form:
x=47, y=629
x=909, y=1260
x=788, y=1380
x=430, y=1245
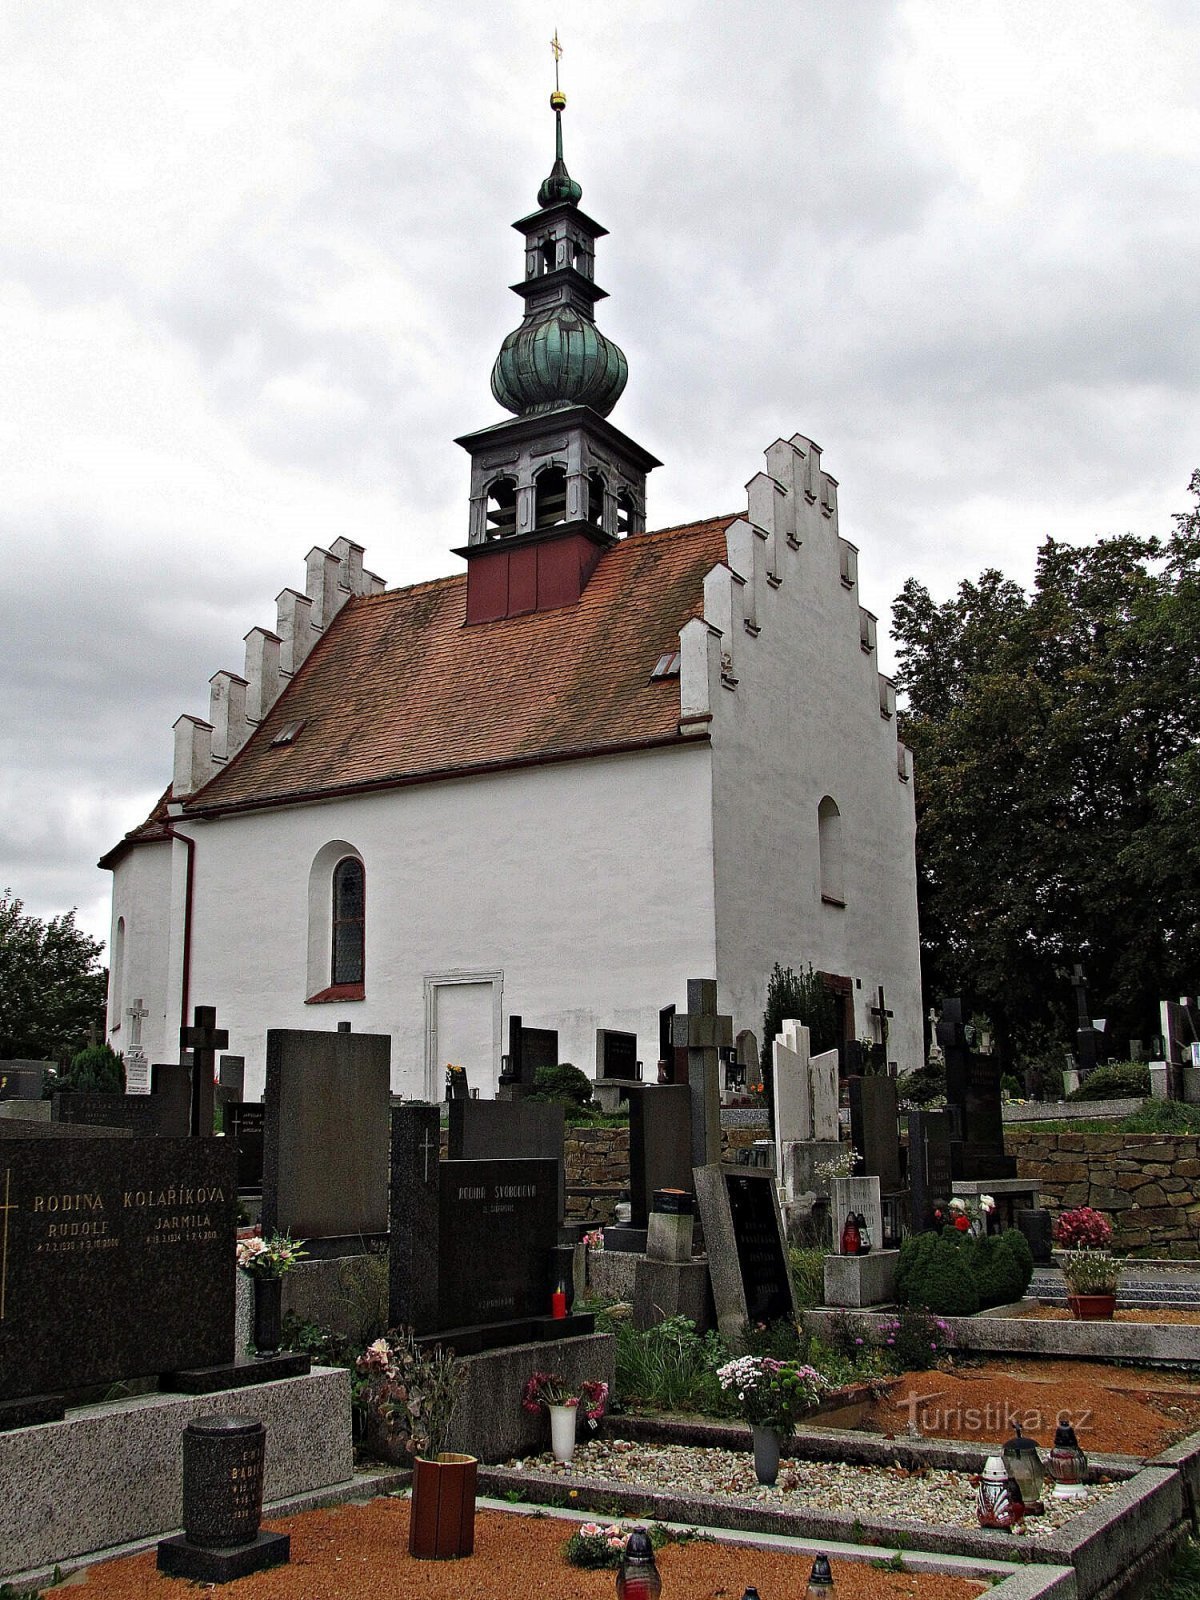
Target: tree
x=804, y=998
x=1056, y=750
x=52, y=987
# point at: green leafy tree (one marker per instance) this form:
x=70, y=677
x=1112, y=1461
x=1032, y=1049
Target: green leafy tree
x=52, y=986
x=97, y=1067
x=805, y=997
x=1057, y=760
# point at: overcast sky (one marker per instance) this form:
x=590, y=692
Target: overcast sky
x=254, y=261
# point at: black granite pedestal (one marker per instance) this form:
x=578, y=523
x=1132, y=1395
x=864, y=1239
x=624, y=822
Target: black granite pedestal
x=31, y=1409
x=236, y=1374
x=179, y=1558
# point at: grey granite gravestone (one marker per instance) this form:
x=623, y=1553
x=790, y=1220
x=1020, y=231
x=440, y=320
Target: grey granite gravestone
x=660, y=1144
x=171, y=1092
x=231, y=1075
x=747, y=1254
x=502, y=1130
x=704, y=1034
x=118, y=1249
x=325, y=1149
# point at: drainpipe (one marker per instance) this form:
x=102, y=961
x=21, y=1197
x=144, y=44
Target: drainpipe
x=189, y=885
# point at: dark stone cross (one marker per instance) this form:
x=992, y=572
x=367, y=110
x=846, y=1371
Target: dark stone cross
x=704, y=1034
x=881, y=1014
x=1085, y=1034
x=203, y=1039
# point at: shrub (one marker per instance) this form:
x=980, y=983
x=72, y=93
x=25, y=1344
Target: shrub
x=805, y=998
x=781, y=1339
x=1122, y=1080
x=941, y=1280
x=1019, y=1245
x=997, y=1272
x=564, y=1084
x=97, y=1069
x=926, y=1084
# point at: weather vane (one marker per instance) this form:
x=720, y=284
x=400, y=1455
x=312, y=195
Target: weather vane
x=557, y=49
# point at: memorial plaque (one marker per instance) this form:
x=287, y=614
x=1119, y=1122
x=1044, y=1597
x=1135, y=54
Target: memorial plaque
x=120, y=1251
x=23, y=1080
x=138, y=1113
x=498, y=1223
x=245, y=1125
x=171, y=1089
x=508, y=1130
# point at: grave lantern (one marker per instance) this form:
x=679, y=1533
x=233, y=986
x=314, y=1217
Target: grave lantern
x=1020, y=1456
x=1067, y=1464
x=999, y=1503
x=637, y=1576
x=820, y=1580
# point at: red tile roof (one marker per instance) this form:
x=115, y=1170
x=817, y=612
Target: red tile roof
x=398, y=690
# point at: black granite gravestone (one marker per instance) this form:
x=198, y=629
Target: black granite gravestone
x=929, y=1167
x=22, y=1080
x=245, y=1125
x=118, y=1250
x=875, y=1130
x=17, y=1128
x=137, y=1112
x=762, y=1260
x=171, y=1092
x=498, y=1223
x=528, y=1049
x=505, y=1130
x=973, y=1102
x=616, y=1054
x=660, y=1144
x=223, y=1467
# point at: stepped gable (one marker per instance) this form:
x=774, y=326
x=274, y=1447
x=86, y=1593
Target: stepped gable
x=398, y=690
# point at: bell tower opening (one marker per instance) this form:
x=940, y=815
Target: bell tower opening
x=595, y=507
x=550, y=499
x=502, y=509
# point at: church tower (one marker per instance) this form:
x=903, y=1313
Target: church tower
x=555, y=487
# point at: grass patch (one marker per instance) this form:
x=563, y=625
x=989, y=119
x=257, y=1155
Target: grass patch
x=1183, y=1581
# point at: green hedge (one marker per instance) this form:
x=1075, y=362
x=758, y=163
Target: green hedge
x=1121, y=1080
x=955, y=1275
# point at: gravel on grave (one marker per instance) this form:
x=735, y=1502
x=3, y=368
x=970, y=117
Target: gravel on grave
x=360, y=1552
x=920, y=1497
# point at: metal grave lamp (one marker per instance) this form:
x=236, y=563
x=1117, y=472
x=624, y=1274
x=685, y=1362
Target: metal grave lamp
x=1020, y=1456
x=637, y=1576
x=1067, y=1464
x=820, y=1580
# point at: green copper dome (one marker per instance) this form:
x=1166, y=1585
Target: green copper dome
x=560, y=360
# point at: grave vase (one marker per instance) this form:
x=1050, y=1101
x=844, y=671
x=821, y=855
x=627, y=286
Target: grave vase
x=562, y=1431
x=268, y=1315
x=441, y=1522
x=766, y=1453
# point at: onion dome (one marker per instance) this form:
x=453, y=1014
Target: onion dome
x=561, y=360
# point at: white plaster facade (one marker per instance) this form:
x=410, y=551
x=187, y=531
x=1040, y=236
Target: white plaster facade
x=585, y=892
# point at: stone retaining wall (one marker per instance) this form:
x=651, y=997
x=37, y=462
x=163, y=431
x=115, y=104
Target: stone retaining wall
x=598, y=1167
x=1148, y=1183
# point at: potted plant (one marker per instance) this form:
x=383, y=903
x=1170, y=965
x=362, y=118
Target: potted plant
x=266, y=1262
x=1091, y=1273
x=552, y=1391
x=408, y=1394
x=771, y=1395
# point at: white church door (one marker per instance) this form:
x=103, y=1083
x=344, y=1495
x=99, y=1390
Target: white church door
x=463, y=1014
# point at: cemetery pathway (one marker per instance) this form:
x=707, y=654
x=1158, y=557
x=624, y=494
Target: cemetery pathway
x=360, y=1552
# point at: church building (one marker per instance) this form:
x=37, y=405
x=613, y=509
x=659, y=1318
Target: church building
x=600, y=761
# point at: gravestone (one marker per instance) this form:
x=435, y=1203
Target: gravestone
x=704, y=1034
x=660, y=1144
x=973, y=1102
x=931, y=1182
x=171, y=1093
x=747, y=1255
x=793, y=1088
x=505, y=1130
x=528, y=1049
x=823, y=1076
x=136, y=1064
x=23, y=1127
x=245, y=1127
x=203, y=1039
x=223, y=1468
x=616, y=1055
x=471, y=1242
x=231, y=1076
x=672, y=1058
x=138, y=1113
x=325, y=1149
x=1085, y=1032
x=117, y=1250
x=875, y=1130
x=862, y=1196
x=23, y=1080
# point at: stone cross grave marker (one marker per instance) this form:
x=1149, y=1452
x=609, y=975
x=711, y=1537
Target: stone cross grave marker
x=137, y=1067
x=882, y=1018
x=203, y=1039
x=929, y=1175
x=704, y=1034
x=1085, y=1033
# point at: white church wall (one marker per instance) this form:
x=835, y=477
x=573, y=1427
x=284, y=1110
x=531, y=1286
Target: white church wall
x=587, y=884
x=141, y=902
x=801, y=722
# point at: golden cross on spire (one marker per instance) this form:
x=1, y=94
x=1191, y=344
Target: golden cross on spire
x=558, y=50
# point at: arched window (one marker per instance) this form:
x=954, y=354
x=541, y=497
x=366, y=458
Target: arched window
x=625, y=513
x=549, y=254
x=349, y=922
x=595, y=509
x=550, y=502
x=830, y=846
x=116, y=976
x=501, y=515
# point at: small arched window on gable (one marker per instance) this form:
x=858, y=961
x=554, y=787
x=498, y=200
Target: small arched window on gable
x=832, y=853
x=349, y=923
